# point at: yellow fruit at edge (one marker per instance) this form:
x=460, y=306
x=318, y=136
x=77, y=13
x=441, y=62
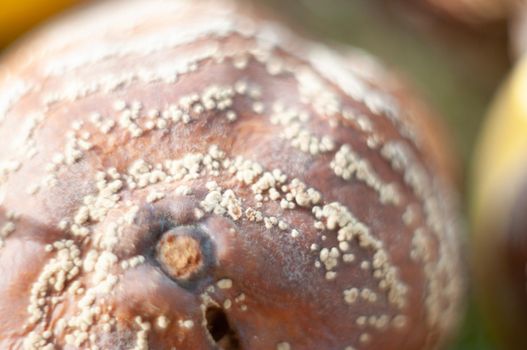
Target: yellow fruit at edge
x=504, y=138
x=499, y=181
x=17, y=16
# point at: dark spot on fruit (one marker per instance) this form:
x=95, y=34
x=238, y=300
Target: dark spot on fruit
x=220, y=329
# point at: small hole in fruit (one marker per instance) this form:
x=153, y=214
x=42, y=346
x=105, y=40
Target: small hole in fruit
x=220, y=330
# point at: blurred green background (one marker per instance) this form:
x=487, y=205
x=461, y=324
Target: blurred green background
x=456, y=67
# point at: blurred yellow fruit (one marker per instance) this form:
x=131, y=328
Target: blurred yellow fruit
x=17, y=16
x=500, y=212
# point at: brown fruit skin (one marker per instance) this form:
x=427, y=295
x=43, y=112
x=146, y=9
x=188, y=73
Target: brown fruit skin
x=516, y=262
x=518, y=32
x=439, y=144
x=471, y=12
x=81, y=218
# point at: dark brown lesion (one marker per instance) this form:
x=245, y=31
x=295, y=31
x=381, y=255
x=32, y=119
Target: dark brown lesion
x=180, y=255
x=186, y=254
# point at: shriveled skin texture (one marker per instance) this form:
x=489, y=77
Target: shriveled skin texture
x=184, y=175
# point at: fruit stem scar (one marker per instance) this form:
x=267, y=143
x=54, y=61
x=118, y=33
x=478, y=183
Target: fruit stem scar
x=180, y=254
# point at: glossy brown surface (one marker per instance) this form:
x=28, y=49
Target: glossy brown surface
x=323, y=211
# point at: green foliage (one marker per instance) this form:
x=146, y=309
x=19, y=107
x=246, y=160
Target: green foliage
x=473, y=335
